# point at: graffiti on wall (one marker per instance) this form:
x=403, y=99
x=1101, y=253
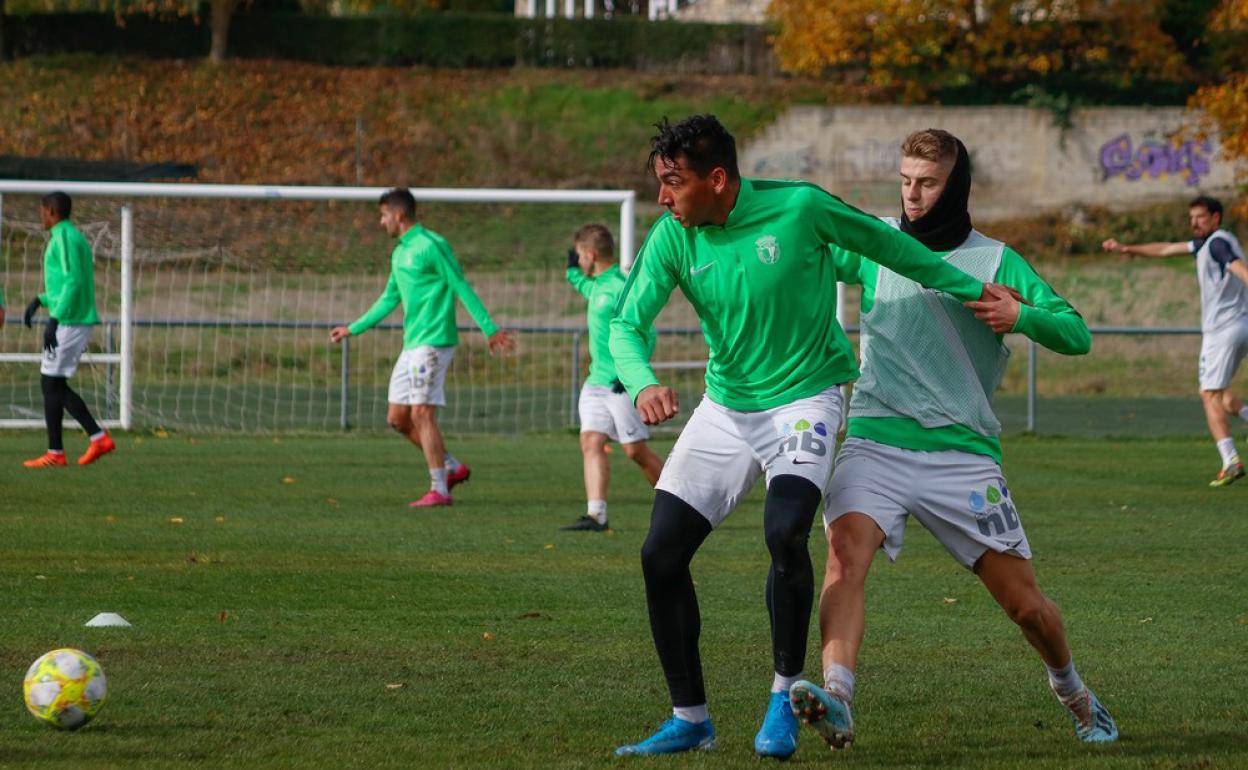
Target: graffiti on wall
x=1157, y=159
x=871, y=159
x=786, y=162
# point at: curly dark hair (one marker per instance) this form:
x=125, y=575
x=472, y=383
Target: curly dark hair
x=701, y=140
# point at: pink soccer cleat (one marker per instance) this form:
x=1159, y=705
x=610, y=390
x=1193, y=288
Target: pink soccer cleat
x=431, y=499
x=458, y=476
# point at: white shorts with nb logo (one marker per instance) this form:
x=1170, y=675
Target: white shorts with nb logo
x=419, y=376
x=960, y=497
x=722, y=452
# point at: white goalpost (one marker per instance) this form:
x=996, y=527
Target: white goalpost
x=216, y=301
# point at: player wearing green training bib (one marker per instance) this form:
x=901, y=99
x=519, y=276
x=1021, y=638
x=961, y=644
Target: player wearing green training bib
x=425, y=279
x=606, y=411
x=69, y=296
x=923, y=439
x=752, y=257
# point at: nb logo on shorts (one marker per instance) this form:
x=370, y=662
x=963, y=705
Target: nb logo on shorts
x=994, y=513
x=805, y=437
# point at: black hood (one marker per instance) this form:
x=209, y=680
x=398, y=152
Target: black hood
x=948, y=223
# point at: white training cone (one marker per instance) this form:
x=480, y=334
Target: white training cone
x=108, y=619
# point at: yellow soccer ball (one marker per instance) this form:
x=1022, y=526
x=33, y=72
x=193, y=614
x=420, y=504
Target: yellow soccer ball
x=65, y=688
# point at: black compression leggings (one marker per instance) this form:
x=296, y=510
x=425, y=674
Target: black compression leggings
x=59, y=398
x=676, y=533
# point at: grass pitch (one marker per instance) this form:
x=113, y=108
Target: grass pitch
x=289, y=610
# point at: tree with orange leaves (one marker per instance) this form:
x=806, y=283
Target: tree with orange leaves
x=1225, y=103
x=917, y=47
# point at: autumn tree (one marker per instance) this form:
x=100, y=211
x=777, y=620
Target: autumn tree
x=918, y=46
x=1224, y=102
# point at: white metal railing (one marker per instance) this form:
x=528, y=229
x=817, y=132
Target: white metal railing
x=626, y=199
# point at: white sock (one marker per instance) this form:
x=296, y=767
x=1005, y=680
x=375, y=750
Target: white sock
x=450, y=463
x=598, y=511
x=438, y=476
x=56, y=451
x=98, y=436
x=839, y=680
x=1226, y=448
x=782, y=683
x=1065, y=681
x=695, y=714
x=1243, y=414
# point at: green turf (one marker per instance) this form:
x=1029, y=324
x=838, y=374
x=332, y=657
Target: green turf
x=268, y=624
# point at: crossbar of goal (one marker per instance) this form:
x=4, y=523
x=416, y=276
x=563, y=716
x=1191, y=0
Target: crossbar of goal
x=625, y=199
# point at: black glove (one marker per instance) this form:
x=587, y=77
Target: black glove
x=573, y=259
x=617, y=386
x=49, y=336
x=31, y=309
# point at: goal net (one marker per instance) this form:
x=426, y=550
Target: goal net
x=230, y=293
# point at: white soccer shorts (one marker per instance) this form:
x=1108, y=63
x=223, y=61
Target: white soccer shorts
x=603, y=411
x=420, y=375
x=960, y=497
x=1221, y=353
x=722, y=452
x=71, y=344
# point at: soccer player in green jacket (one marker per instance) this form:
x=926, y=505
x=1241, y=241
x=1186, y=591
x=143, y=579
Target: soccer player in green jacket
x=425, y=279
x=923, y=440
x=606, y=411
x=752, y=257
x=69, y=296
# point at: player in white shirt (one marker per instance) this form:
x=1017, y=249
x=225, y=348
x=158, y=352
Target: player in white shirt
x=1223, y=277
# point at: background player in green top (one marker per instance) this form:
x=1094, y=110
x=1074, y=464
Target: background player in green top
x=923, y=438
x=425, y=279
x=606, y=411
x=752, y=257
x=69, y=296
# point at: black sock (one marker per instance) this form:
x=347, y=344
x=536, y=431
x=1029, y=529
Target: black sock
x=53, y=409
x=77, y=408
x=676, y=532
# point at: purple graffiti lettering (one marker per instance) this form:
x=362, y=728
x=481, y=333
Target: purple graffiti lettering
x=1155, y=159
x=1116, y=156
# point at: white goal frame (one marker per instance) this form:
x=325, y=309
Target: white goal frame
x=625, y=199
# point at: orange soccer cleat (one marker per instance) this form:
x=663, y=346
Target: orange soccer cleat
x=100, y=447
x=48, y=459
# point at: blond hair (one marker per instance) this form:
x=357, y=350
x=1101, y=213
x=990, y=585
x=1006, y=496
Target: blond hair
x=932, y=144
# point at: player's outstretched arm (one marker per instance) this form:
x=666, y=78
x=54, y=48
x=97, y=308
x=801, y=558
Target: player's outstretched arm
x=385, y=304
x=838, y=223
x=646, y=291
x=1032, y=309
x=1157, y=249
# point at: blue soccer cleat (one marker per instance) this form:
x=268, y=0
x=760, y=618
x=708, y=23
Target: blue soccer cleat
x=1092, y=721
x=825, y=712
x=673, y=736
x=778, y=735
